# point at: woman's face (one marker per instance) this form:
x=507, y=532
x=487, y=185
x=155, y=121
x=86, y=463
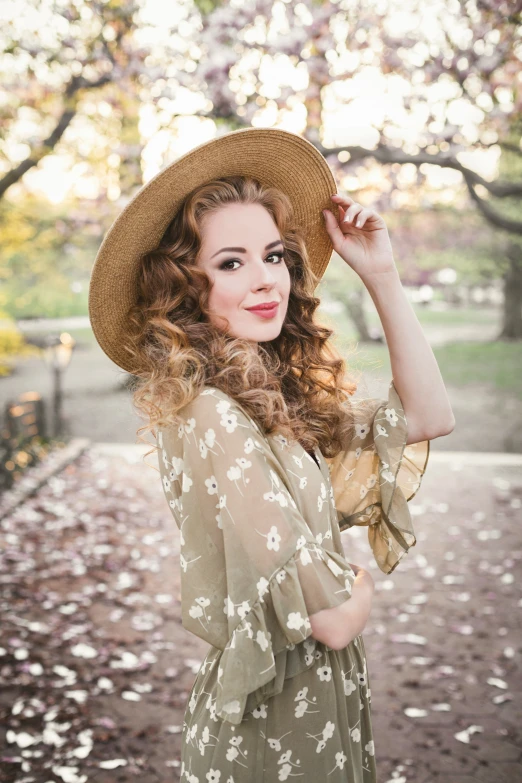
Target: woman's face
x=241, y=251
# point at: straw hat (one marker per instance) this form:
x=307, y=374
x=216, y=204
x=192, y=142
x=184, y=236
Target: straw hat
x=275, y=157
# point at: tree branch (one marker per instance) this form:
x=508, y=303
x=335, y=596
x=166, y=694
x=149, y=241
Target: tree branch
x=45, y=147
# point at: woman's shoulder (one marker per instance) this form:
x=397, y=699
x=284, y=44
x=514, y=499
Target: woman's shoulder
x=215, y=404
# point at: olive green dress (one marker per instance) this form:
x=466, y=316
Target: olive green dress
x=261, y=551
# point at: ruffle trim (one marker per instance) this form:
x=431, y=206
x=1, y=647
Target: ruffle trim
x=390, y=531
x=265, y=648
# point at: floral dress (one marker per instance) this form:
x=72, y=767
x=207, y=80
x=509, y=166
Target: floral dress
x=260, y=521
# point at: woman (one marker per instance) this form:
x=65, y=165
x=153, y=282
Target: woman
x=264, y=457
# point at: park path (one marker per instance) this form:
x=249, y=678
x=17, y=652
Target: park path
x=96, y=669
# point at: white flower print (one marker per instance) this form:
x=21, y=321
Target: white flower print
x=370, y=747
x=213, y=776
x=250, y=445
x=324, y=673
x=382, y=431
x=281, y=440
x=371, y=480
x=349, y=686
x=211, y=485
x=274, y=477
x=355, y=735
x=190, y=425
x=358, y=452
x=388, y=476
x=303, y=702
x=210, y=437
x=275, y=744
x=243, y=609
x=349, y=474
x=185, y=563
x=296, y=621
x=177, y=508
x=166, y=484
x=305, y=556
x=186, y=483
x=328, y=730
x=363, y=491
x=232, y=706
x=340, y=761
x=262, y=587
x=260, y=711
x=234, y=473
x=391, y=416
x=229, y=608
x=361, y=430
x=262, y=640
x=281, y=576
x=244, y=464
x=229, y=422
x=272, y=538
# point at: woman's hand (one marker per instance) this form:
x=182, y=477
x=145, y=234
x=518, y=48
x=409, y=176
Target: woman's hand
x=360, y=237
x=355, y=612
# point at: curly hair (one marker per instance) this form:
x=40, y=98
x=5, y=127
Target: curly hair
x=295, y=384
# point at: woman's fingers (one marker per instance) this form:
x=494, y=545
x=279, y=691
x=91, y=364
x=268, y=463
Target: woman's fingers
x=351, y=211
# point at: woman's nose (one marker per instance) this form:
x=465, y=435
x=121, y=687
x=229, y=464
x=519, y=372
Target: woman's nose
x=264, y=273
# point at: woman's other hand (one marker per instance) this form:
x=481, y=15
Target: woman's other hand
x=360, y=237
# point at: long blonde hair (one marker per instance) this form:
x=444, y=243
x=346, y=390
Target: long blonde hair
x=295, y=384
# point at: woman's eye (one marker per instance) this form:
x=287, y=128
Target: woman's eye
x=280, y=256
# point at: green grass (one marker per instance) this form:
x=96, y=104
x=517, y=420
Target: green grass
x=495, y=363
x=448, y=318
x=462, y=362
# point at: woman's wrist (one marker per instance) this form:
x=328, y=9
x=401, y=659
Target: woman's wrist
x=364, y=581
x=354, y=613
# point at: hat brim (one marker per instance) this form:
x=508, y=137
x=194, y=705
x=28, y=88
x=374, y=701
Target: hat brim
x=275, y=157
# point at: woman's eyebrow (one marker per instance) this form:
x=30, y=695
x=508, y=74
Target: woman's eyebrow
x=243, y=249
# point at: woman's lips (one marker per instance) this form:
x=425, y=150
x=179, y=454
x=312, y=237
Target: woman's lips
x=264, y=312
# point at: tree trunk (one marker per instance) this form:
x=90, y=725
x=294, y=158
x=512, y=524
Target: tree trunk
x=512, y=321
x=354, y=305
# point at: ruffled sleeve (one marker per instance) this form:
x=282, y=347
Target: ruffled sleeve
x=375, y=476
x=252, y=572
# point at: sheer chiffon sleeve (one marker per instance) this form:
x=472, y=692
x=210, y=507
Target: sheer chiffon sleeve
x=375, y=476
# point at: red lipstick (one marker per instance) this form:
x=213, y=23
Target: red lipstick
x=265, y=310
